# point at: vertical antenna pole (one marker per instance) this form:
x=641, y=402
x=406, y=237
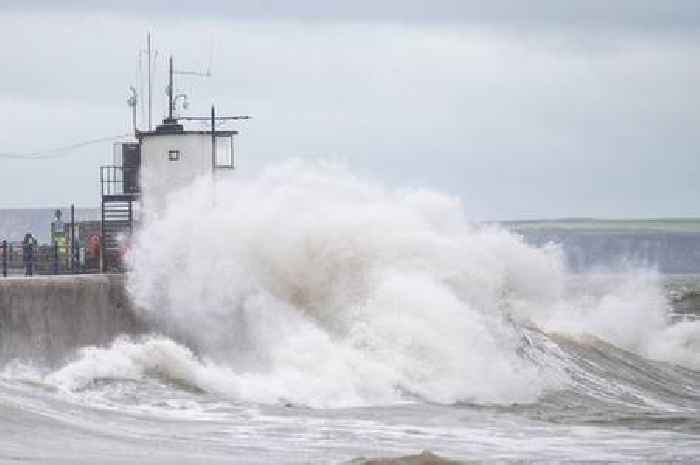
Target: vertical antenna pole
x=150, y=104
x=142, y=90
x=170, y=91
x=213, y=139
x=133, y=101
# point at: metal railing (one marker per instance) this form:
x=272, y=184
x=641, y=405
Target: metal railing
x=119, y=180
x=18, y=258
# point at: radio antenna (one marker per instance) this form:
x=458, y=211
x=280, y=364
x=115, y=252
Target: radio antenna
x=152, y=57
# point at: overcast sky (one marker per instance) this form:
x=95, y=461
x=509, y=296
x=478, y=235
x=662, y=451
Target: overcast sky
x=523, y=109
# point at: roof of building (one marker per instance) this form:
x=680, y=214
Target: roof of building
x=142, y=134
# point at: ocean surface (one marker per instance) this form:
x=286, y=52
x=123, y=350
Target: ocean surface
x=147, y=402
x=329, y=319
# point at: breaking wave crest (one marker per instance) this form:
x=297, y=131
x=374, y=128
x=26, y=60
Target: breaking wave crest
x=309, y=285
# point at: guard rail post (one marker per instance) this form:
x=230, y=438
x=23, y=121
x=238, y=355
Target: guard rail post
x=55, y=258
x=4, y=259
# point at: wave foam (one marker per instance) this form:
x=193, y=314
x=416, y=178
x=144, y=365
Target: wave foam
x=311, y=285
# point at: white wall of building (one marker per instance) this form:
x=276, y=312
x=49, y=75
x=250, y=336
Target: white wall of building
x=161, y=176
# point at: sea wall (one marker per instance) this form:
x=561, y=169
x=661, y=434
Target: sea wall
x=46, y=318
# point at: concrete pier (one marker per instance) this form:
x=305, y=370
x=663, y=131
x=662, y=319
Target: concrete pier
x=46, y=318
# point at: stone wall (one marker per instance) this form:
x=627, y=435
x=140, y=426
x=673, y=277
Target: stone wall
x=46, y=318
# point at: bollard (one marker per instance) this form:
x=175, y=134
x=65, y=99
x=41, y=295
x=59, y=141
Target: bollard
x=4, y=259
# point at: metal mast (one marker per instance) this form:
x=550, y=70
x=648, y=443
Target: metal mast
x=150, y=81
x=170, y=91
x=132, y=101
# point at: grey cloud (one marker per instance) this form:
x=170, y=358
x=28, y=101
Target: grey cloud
x=519, y=125
x=640, y=14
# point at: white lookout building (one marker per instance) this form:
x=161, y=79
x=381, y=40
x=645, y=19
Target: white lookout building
x=163, y=160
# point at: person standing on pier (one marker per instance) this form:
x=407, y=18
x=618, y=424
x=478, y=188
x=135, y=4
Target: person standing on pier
x=28, y=254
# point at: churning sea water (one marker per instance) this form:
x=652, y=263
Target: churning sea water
x=321, y=318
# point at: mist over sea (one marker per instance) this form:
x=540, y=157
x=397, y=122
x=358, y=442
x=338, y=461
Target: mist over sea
x=323, y=317
x=16, y=222
x=669, y=246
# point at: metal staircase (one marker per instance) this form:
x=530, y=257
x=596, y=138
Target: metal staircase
x=118, y=197
x=117, y=226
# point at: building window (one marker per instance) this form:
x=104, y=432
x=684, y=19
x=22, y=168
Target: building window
x=173, y=155
x=224, y=152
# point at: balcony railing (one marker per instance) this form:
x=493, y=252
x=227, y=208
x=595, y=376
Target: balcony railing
x=119, y=180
